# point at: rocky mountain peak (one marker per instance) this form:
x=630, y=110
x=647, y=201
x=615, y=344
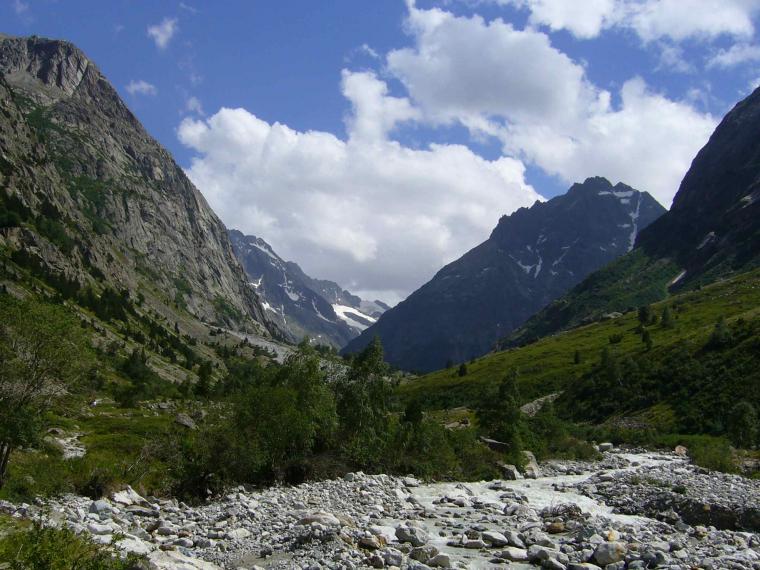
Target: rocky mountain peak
x=57, y=65
x=127, y=214
x=532, y=256
x=302, y=305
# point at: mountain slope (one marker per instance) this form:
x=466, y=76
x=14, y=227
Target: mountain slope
x=567, y=361
x=299, y=304
x=531, y=257
x=710, y=232
x=93, y=199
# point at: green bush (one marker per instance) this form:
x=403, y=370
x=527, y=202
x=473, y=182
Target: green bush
x=40, y=548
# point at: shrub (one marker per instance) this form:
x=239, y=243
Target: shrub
x=616, y=338
x=40, y=548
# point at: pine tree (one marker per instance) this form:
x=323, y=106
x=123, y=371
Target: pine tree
x=462, y=370
x=646, y=338
x=645, y=314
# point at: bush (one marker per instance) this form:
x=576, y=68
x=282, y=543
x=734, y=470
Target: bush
x=40, y=548
x=712, y=453
x=616, y=338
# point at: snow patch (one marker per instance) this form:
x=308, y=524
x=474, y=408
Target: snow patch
x=320, y=315
x=707, y=239
x=677, y=278
x=617, y=193
x=347, y=313
x=292, y=295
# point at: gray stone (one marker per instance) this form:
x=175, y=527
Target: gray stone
x=100, y=506
x=412, y=535
x=514, y=554
x=609, y=553
x=495, y=539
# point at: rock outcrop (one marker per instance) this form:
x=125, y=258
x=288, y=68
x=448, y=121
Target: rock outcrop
x=299, y=304
x=97, y=201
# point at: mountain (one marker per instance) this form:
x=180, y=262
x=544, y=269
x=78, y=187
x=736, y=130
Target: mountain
x=299, y=304
x=532, y=256
x=90, y=200
x=711, y=232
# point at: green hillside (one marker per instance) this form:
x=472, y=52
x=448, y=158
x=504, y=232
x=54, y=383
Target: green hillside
x=558, y=362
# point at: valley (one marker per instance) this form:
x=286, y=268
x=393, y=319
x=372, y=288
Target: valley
x=579, y=390
x=560, y=518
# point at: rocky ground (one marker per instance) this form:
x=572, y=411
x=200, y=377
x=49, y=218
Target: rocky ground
x=624, y=512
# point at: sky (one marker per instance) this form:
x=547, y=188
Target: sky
x=374, y=141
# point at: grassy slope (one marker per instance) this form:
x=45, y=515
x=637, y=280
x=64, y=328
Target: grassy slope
x=630, y=281
x=547, y=365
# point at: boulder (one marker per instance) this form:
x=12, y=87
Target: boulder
x=440, y=561
x=128, y=497
x=185, y=421
x=412, y=535
x=423, y=553
x=509, y=471
x=320, y=517
x=609, y=553
x=606, y=447
x=495, y=539
x=514, y=554
x=531, y=468
x=239, y=534
x=100, y=506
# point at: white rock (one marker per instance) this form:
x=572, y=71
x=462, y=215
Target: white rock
x=239, y=534
x=128, y=497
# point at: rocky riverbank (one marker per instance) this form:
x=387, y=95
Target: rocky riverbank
x=557, y=521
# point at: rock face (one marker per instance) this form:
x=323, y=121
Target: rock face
x=98, y=201
x=711, y=231
x=532, y=257
x=299, y=304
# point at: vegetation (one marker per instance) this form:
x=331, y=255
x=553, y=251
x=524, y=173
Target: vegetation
x=683, y=371
x=39, y=548
x=43, y=353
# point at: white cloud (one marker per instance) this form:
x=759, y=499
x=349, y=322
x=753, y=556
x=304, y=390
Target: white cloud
x=735, y=55
x=366, y=211
x=368, y=50
x=193, y=105
x=20, y=7
x=141, y=87
x=649, y=19
x=375, y=113
x=584, y=19
x=649, y=143
x=682, y=19
x=515, y=85
x=672, y=57
x=163, y=33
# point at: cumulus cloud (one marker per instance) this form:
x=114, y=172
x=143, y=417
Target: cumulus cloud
x=735, y=55
x=513, y=84
x=163, y=33
x=648, y=142
x=650, y=19
x=193, y=105
x=366, y=211
x=141, y=87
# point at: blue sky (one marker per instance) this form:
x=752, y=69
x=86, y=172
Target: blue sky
x=373, y=141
